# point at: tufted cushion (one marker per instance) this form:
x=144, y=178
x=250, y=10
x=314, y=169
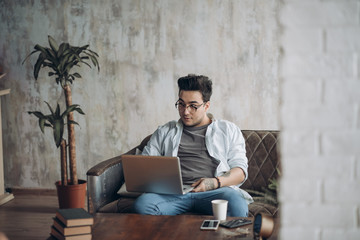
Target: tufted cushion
x=257, y=207
x=263, y=158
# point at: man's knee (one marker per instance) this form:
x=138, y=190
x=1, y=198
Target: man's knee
x=144, y=205
x=157, y=204
x=237, y=205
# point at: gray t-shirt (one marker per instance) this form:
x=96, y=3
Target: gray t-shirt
x=195, y=160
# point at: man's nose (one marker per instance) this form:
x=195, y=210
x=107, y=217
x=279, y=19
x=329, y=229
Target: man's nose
x=187, y=111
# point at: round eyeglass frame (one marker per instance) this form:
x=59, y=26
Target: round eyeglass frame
x=192, y=107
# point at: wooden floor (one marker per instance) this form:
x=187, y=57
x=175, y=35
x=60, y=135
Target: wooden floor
x=29, y=215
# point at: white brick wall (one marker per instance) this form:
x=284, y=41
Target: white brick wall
x=320, y=119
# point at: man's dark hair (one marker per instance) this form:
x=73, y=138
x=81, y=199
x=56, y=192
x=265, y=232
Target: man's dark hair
x=194, y=82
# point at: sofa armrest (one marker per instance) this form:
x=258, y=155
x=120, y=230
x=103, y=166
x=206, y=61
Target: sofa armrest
x=104, y=181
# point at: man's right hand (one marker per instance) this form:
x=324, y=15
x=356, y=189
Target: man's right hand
x=204, y=184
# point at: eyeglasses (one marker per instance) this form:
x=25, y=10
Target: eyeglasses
x=192, y=107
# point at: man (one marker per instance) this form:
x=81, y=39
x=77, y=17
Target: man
x=212, y=156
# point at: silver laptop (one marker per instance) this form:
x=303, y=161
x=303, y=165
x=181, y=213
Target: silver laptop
x=155, y=174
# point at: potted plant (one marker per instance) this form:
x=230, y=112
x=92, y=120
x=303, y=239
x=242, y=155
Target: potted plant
x=268, y=195
x=61, y=59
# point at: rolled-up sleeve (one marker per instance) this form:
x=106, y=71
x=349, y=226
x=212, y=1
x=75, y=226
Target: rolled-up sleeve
x=226, y=144
x=237, y=151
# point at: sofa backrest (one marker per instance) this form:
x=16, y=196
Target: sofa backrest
x=262, y=154
x=263, y=157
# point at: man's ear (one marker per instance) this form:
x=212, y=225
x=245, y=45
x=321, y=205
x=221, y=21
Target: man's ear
x=207, y=105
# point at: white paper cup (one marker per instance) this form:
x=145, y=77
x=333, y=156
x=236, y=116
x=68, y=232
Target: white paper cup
x=219, y=208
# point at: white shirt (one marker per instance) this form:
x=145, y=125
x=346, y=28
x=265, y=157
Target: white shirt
x=224, y=142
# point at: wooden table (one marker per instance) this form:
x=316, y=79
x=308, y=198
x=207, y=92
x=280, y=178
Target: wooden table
x=30, y=216
x=134, y=226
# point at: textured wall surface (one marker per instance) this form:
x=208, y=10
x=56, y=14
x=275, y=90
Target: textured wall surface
x=320, y=120
x=144, y=46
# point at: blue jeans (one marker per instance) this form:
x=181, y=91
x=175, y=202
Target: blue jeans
x=162, y=204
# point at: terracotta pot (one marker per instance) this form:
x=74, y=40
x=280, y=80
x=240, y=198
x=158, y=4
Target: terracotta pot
x=71, y=196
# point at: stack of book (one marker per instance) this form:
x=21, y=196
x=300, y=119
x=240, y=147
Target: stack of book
x=72, y=224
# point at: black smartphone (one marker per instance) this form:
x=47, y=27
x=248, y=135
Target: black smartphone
x=236, y=223
x=210, y=225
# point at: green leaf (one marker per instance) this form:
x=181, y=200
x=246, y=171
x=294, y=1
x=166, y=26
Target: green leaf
x=50, y=65
x=73, y=122
x=86, y=63
x=58, y=131
x=70, y=79
x=94, y=53
x=53, y=44
x=35, y=51
x=84, y=47
x=38, y=65
x=67, y=50
x=51, y=110
x=51, y=118
x=74, y=107
x=57, y=111
x=79, y=110
x=51, y=55
x=95, y=62
x=42, y=124
x=37, y=114
x=40, y=48
x=62, y=49
x=76, y=55
x=63, y=61
x=42, y=120
x=77, y=75
x=70, y=64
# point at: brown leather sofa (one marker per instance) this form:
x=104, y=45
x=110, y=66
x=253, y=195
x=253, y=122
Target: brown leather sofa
x=106, y=178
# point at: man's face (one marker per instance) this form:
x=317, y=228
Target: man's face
x=188, y=101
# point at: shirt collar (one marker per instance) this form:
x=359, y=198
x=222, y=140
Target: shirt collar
x=208, y=114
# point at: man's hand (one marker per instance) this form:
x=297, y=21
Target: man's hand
x=204, y=184
x=233, y=177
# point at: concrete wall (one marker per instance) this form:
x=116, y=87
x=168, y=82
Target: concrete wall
x=320, y=119
x=144, y=46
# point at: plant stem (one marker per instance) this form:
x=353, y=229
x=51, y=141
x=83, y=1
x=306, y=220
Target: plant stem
x=63, y=157
x=71, y=137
